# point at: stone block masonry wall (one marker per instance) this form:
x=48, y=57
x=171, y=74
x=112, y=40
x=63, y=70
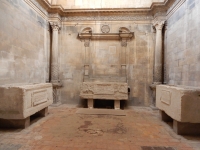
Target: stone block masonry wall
x=23, y=44
x=182, y=48
x=105, y=57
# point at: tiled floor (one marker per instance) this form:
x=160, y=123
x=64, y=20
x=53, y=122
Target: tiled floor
x=63, y=129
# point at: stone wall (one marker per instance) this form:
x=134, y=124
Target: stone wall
x=182, y=46
x=24, y=44
x=105, y=58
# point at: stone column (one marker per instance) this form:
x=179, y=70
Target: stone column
x=54, y=62
x=123, y=57
x=158, y=53
x=158, y=60
x=87, y=57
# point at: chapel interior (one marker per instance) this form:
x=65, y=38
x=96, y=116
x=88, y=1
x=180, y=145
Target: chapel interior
x=101, y=56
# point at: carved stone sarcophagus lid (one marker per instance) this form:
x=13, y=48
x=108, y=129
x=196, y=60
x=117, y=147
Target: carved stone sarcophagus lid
x=104, y=90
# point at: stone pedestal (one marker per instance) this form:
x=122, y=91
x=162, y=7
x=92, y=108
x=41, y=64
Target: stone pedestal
x=15, y=123
x=183, y=128
x=165, y=117
x=117, y=104
x=43, y=112
x=90, y=103
x=21, y=123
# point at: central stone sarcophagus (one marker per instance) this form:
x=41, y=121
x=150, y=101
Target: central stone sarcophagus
x=104, y=90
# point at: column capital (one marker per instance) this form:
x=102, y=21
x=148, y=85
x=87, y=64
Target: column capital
x=158, y=24
x=55, y=25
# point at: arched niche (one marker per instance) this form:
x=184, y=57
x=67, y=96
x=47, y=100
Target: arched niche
x=124, y=30
x=87, y=30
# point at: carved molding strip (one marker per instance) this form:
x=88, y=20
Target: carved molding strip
x=155, y=8
x=59, y=8
x=37, y=9
x=108, y=18
x=123, y=34
x=118, y=14
x=177, y=4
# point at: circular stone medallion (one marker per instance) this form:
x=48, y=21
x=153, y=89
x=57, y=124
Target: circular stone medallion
x=105, y=29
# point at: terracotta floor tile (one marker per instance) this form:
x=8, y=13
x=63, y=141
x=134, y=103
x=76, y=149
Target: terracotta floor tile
x=63, y=129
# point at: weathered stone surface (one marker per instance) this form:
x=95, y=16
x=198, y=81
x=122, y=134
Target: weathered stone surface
x=179, y=102
x=22, y=101
x=104, y=90
x=102, y=60
x=182, y=45
x=24, y=44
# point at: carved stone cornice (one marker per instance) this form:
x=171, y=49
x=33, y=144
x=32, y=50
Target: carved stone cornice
x=99, y=17
x=174, y=7
x=153, y=9
x=106, y=36
x=124, y=34
x=43, y=7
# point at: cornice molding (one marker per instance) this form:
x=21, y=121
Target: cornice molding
x=37, y=9
x=124, y=35
x=155, y=7
x=108, y=18
x=177, y=4
x=56, y=12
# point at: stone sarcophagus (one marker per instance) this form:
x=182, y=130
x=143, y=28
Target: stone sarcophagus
x=19, y=102
x=181, y=104
x=104, y=90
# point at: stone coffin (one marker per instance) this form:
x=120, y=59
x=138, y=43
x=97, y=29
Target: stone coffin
x=22, y=101
x=180, y=103
x=104, y=90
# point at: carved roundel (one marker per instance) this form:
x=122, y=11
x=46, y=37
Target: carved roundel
x=105, y=28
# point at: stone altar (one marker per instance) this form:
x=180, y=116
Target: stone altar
x=180, y=104
x=104, y=90
x=20, y=101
